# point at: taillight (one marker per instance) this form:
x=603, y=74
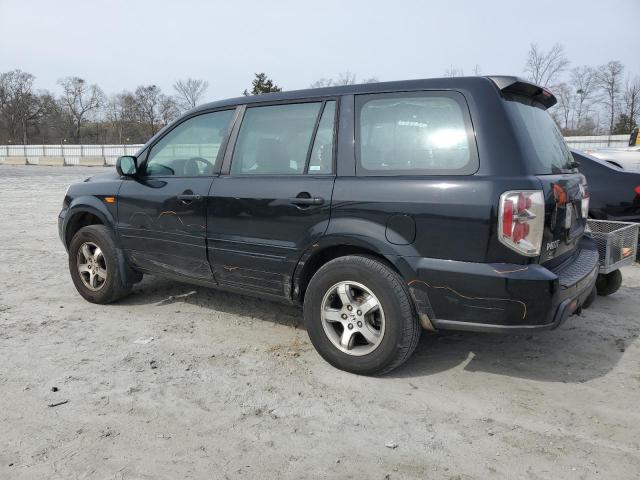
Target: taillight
x=560, y=194
x=637, y=189
x=521, y=221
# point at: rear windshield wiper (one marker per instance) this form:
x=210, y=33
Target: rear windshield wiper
x=573, y=164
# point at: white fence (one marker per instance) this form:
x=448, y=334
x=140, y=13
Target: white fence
x=598, y=141
x=71, y=154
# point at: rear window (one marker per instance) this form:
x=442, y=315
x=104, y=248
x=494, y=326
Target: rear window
x=414, y=133
x=543, y=143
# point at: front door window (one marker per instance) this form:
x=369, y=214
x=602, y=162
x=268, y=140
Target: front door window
x=190, y=149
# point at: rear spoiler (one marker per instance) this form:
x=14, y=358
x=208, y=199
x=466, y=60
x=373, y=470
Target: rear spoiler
x=518, y=86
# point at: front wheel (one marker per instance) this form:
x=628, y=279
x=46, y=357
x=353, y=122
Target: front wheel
x=359, y=315
x=94, y=265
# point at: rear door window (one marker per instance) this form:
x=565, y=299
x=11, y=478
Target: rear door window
x=321, y=160
x=275, y=139
x=414, y=133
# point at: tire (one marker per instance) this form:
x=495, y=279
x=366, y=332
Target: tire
x=609, y=283
x=106, y=290
x=387, y=335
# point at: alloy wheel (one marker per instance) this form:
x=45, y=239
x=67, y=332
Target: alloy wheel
x=352, y=318
x=92, y=266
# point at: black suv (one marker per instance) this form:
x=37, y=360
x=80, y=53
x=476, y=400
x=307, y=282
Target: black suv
x=381, y=208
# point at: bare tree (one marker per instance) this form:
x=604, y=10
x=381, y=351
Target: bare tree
x=321, y=83
x=114, y=114
x=19, y=104
x=48, y=125
x=169, y=110
x=344, y=78
x=566, y=101
x=609, y=79
x=147, y=103
x=120, y=112
x=79, y=100
x=348, y=78
x=587, y=127
x=476, y=70
x=189, y=92
x=544, y=68
x=453, y=72
x=583, y=84
x=632, y=101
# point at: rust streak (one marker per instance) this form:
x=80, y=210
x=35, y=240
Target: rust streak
x=168, y=212
x=425, y=321
x=485, y=308
x=443, y=287
x=511, y=271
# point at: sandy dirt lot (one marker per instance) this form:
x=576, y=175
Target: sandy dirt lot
x=230, y=387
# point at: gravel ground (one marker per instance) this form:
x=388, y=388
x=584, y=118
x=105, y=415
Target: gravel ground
x=178, y=381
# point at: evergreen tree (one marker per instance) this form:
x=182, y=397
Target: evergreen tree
x=262, y=84
x=625, y=125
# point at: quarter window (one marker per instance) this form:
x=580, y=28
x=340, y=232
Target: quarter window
x=275, y=139
x=191, y=148
x=321, y=160
x=422, y=133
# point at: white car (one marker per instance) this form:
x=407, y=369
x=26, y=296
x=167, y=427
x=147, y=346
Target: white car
x=627, y=158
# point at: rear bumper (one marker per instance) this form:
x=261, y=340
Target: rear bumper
x=501, y=297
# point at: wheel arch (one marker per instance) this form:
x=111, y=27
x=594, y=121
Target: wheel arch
x=81, y=214
x=328, y=249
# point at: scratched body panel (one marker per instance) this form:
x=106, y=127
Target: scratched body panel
x=249, y=231
x=162, y=233
x=256, y=236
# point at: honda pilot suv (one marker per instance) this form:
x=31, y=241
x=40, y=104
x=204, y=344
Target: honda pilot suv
x=382, y=209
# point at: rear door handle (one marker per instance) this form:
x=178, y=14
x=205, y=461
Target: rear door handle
x=307, y=201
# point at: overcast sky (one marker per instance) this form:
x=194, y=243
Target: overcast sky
x=121, y=44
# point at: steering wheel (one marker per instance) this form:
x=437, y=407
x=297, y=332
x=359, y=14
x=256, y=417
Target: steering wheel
x=191, y=165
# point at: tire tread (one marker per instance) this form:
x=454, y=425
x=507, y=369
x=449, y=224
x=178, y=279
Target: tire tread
x=117, y=289
x=411, y=329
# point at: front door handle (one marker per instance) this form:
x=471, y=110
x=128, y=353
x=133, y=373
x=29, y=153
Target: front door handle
x=188, y=197
x=307, y=201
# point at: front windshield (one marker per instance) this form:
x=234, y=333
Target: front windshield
x=542, y=138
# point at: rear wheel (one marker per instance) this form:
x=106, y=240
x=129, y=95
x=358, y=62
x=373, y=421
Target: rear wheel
x=95, y=266
x=359, y=315
x=609, y=283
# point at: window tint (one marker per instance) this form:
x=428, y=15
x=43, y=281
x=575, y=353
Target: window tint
x=425, y=133
x=321, y=160
x=191, y=148
x=275, y=139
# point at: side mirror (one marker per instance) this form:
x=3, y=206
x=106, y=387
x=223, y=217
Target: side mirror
x=127, y=166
